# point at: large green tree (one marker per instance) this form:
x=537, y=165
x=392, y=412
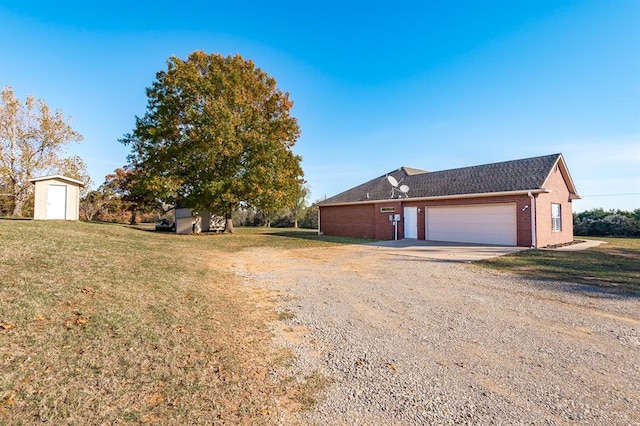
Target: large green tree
x=32, y=141
x=217, y=133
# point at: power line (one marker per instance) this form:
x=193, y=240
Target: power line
x=610, y=195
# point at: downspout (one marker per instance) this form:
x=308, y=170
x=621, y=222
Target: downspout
x=319, y=233
x=533, y=220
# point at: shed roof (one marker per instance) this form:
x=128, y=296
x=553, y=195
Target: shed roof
x=59, y=177
x=529, y=174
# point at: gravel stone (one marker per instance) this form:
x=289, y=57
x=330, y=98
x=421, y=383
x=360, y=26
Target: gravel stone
x=411, y=341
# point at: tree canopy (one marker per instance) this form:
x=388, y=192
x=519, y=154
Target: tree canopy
x=32, y=141
x=127, y=186
x=217, y=134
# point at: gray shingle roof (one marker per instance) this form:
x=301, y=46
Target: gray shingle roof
x=516, y=175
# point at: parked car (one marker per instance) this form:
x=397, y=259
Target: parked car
x=165, y=225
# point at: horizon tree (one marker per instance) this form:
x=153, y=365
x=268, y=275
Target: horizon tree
x=217, y=134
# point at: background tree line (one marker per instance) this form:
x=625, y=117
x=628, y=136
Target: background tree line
x=119, y=199
x=603, y=223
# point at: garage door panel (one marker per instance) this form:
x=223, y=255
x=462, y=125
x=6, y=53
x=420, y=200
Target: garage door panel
x=485, y=224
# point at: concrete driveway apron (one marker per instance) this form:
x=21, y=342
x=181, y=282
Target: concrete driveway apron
x=456, y=252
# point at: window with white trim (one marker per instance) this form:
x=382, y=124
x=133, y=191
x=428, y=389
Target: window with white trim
x=556, y=218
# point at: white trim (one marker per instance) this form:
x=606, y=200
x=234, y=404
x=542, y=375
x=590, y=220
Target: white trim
x=556, y=220
x=441, y=197
x=564, y=171
x=60, y=177
x=533, y=220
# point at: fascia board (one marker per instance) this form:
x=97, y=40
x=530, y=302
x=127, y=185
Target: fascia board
x=440, y=197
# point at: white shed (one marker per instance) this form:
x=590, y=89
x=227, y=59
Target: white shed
x=56, y=198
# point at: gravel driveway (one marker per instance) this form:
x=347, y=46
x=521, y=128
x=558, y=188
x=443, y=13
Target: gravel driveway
x=411, y=341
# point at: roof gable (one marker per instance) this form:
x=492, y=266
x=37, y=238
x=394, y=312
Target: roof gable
x=527, y=174
x=562, y=166
x=59, y=177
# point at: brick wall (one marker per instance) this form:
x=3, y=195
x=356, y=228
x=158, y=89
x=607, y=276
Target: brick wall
x=369, y=221
x=348, y=221
x=384, y=227
x=559, y=194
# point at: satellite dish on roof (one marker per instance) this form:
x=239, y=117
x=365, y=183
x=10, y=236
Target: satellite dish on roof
x=404, y=189
x=392, y=181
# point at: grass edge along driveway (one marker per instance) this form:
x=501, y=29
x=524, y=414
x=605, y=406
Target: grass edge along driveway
x=613, y=266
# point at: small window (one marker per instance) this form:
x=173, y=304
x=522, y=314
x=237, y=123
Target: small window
x=556, y=218
x=387, y=209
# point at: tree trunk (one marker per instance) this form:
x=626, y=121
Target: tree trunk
x=228, y=224
x=134, y=216
x=17, y=208
x=19, y=200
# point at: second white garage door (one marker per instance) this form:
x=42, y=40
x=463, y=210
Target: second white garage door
x=484, y=224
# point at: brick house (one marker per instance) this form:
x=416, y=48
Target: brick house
x=523, y=202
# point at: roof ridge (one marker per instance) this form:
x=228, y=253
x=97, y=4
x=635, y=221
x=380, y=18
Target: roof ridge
x=410, y=171
x=500, y=162
x=523, y=174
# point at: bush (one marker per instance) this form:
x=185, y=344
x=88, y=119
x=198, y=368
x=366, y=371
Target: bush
x=600, y=223
x=310, y=219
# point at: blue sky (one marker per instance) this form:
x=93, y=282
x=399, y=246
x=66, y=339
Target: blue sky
x=376, y=85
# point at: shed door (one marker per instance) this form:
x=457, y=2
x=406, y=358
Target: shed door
x=411, y=222
x=57, y=202
x=483, y=224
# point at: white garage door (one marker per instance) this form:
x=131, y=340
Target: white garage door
x=484, y=224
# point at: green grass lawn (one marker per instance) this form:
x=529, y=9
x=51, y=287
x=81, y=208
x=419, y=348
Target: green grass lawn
x=105, y=323
x=614, y=265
